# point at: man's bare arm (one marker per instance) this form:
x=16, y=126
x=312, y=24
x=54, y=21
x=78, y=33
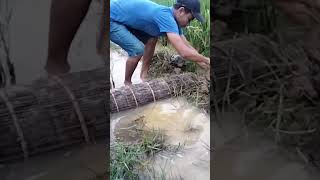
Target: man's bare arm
x=187, y=42
x=187, y=52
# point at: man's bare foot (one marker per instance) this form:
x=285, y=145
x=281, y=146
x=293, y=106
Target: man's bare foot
x=56, y=68
x=144, y=75
x=127, y=83
x=144, y=78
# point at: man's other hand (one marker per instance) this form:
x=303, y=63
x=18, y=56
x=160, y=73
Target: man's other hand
x=205, y=64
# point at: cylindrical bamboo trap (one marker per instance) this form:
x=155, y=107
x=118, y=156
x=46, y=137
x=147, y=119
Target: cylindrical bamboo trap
x=53, y=113
x=140, y=94
x=71, y=109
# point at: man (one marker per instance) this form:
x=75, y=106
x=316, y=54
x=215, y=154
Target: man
x=135, y=26
x=66, y=17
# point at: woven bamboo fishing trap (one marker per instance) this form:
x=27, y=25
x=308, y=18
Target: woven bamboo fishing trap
x=71, y=109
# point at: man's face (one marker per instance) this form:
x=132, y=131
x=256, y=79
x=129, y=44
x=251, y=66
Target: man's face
x=183, y=17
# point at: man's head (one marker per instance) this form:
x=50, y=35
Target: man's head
x=186, y=11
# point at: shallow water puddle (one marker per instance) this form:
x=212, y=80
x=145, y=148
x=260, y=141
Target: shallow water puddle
x=181, y=124
x=79, y=162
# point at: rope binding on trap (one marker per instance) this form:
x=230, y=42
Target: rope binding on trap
x=165, y=82
x=154, y=98
x=115, y=101
x=134, y=96
x=17, y=126
x=76, y=107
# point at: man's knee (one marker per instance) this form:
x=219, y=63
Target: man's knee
x=153, y=40
x=136, y=50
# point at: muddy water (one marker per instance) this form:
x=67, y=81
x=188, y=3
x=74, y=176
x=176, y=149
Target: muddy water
x=181, y=124
x=118, y=60
x=245, y=154
x=80, y=163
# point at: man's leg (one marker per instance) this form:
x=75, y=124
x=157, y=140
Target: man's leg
x=120, y=35
x=65, y=19
x=131, y=65
x=150, y=44
x=147, y=56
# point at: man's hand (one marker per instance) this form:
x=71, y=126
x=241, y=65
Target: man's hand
x=204, y=65
x=207, y=61
x=187, y=52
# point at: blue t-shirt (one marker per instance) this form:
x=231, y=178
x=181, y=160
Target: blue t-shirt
x=144, y=15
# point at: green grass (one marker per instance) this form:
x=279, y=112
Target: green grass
x=124, y=160
x=130, y=160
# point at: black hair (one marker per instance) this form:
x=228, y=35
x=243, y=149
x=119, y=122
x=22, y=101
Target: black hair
x=179, y=5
